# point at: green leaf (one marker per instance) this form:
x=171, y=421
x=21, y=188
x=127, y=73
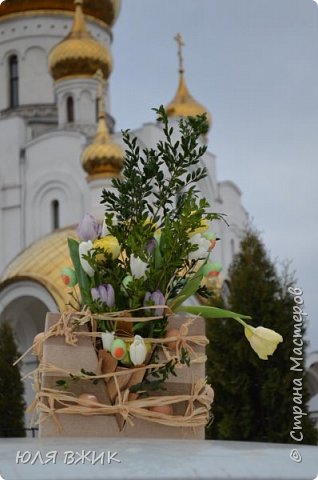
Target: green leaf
x=83, y=279
x=187, y=291
x=60, y=383
x=212, y=312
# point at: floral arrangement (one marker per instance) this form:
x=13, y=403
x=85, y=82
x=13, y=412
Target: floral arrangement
x=152, y=253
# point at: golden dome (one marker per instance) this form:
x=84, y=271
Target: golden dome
x=183, y=104
x=42, y=263
x=105, y=10
x=79, y=54
x=102, y=158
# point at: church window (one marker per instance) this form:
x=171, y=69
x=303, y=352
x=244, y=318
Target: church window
x=55, y=214
x=13, y=81
x=70, y=109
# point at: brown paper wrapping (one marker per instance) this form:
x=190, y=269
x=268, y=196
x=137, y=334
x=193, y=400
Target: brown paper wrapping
x=71, y=358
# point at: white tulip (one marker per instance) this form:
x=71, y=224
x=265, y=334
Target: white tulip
x=84, y=249
x=263, y=341
x=137, y=267
x=203, y=246
x=107, y=339
x=138, y=351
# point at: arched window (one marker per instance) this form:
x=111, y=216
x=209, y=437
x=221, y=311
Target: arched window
x=55, y=214
x=70, y=109
x=13, y=81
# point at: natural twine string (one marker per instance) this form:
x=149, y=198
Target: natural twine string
x=48, y=401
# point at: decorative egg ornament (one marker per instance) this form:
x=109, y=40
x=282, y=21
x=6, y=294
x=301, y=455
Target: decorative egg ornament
x=173, y=332
x=215, y=270
x=125, y=283
x=88, y=397
x=211, y=269
x=165, y=409
x=212, y=239
x=118, y=349
x=69, y=277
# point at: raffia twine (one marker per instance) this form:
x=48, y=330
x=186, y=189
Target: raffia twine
x=199, y=399
x=195, y=416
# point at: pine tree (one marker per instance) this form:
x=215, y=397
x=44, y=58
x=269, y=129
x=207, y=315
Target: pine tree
x=253, y=397
x=11, y=387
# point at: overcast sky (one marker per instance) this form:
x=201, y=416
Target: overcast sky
x=254, y=65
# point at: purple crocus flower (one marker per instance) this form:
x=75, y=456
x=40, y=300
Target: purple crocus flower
x=156, y=298
x=151, y=245
x=105, y=293
x=88, y=228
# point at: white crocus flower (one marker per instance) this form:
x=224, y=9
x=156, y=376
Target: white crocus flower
x=107, y=339
x=263, y=341
x=138, y=351
x=203, y=246
x=84, y=249
x=105, y=229
x=137, y=267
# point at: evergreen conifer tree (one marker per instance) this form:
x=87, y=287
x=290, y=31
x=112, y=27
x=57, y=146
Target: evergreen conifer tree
x=253, y=397
x=11, y=387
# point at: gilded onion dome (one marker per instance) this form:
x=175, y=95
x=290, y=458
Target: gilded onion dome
x=105, y=10
x=79, y=54
x=102, y=158
x=183, y=104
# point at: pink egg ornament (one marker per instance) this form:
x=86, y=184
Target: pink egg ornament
x=173, y=332
x=165, y=409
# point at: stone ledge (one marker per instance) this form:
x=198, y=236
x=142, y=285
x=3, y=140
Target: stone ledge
x=158, y=459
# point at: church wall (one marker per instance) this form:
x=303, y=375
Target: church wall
x=12, y=137
x=54, y=173
x=237, y=219
x=231, y=199
x=11, y=140
x=209, y=186
x=34, y=67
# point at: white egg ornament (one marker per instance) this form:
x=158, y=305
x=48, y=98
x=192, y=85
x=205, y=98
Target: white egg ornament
x=88, y=398
x=138, y=351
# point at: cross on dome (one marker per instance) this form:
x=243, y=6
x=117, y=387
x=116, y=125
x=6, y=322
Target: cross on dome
x=178, y=38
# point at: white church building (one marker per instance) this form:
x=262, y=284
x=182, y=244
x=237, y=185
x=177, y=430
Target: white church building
x=60, y=148
x=53, y=164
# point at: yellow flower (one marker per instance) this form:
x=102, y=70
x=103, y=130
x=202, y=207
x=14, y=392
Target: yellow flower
x=204, y=226
x=108, y=244
x=263, y=340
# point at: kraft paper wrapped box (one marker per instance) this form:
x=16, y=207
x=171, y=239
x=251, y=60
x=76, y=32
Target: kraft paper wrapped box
x=73, y=358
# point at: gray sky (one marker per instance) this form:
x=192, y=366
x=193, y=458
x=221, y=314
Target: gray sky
x=254, y=65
